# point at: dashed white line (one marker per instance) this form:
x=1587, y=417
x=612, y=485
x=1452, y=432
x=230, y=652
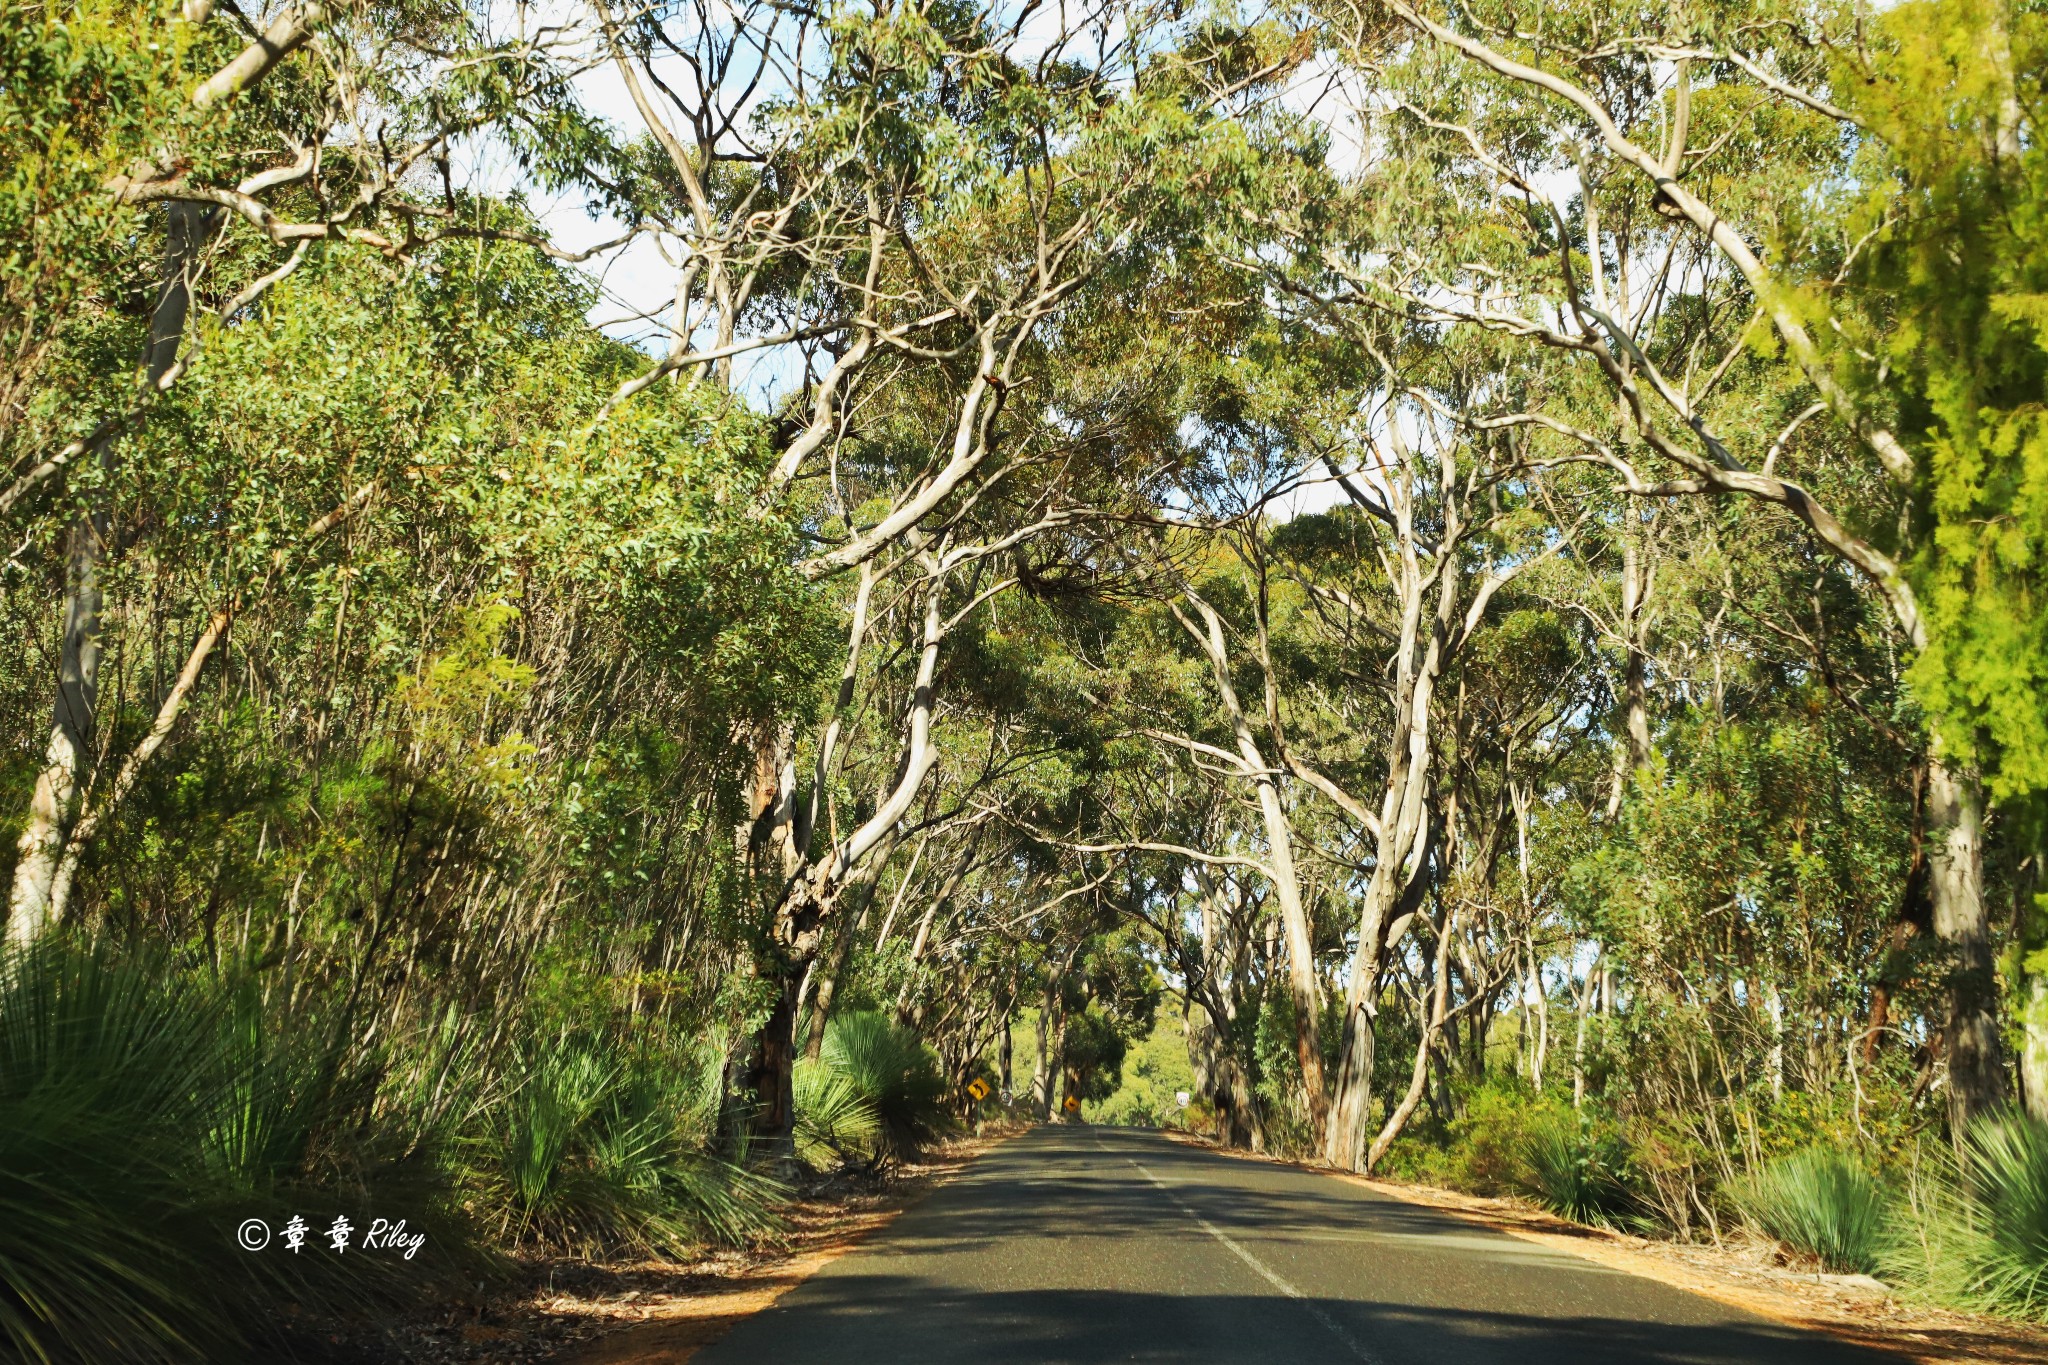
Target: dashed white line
x=1265, y=1272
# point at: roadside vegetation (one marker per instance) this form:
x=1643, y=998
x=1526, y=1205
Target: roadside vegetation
x=618, y=615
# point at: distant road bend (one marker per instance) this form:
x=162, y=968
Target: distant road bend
x=1072, y=1245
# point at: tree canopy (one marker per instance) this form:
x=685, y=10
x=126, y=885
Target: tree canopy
x=699, y=571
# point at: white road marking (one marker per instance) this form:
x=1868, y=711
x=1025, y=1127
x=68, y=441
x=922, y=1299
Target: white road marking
x=1266, y=1273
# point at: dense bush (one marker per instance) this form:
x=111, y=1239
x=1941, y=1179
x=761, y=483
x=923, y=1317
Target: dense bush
x=1485, y=1148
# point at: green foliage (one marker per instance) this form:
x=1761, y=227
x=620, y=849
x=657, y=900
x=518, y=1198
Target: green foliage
x=1579, y=1170
x=452, y=850
x=1823, y=1204
x=889, y=1069
x=1773, y=815
x=1096, y=1048
x=1153, y=1073
x=86, y=86
x=1957, y=177
x=1277, y=1065
x=1974, y=1233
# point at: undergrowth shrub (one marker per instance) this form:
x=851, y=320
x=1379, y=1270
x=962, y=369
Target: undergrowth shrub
x=1973, y=1233
x=1483, y=1148
x=1491, y=1139
x=1821, y=1203
x=600, y=1147
x=144, y=1113
x=895, y=1074
x=1277, y=1068
x=1579, y=1169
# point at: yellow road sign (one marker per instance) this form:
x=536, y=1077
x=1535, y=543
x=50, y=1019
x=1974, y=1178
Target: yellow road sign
x=1073, y=1105
x=978, y=1088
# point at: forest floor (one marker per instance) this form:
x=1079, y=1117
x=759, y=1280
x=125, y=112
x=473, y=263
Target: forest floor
x=1750, y=1274
x=662, y=1312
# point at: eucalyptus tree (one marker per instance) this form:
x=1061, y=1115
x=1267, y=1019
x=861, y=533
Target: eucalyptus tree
x=1241, y=756
x=1523, y=706
x=1383, y=597
x=1182, y=847
x=961, y=450
x=258, y=141
x=1758, y=318
x=1207, y=925
x=1447, y=545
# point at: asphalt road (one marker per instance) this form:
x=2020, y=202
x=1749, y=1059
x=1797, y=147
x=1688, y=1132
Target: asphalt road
x=1074, y=1245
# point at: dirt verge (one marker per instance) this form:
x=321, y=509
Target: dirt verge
x=661, y=1313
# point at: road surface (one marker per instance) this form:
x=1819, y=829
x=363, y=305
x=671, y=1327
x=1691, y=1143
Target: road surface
x=1075, y=1245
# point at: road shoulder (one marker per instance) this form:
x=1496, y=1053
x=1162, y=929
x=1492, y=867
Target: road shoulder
x=663, y=1312
x=687, y=1311
x=1739, y=1276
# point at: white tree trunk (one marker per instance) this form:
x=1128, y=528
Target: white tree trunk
x=1304, y=985
x=2034, y=1048
x=33, y=907
x=1586, y=1000
x=1775, y=1003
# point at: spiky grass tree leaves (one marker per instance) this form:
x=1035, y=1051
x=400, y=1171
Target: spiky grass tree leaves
x=144, y=1113
x=1821, y=1203
x=1579, y=1170
x=890, y=1068
x=1973, y=1231
x=598, y=1148
x=2008, y=1179
x=106, y=1071
x=835, y=1120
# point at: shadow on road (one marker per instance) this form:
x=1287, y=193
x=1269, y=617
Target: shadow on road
x=853, y=1319
x=1070, y=1246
